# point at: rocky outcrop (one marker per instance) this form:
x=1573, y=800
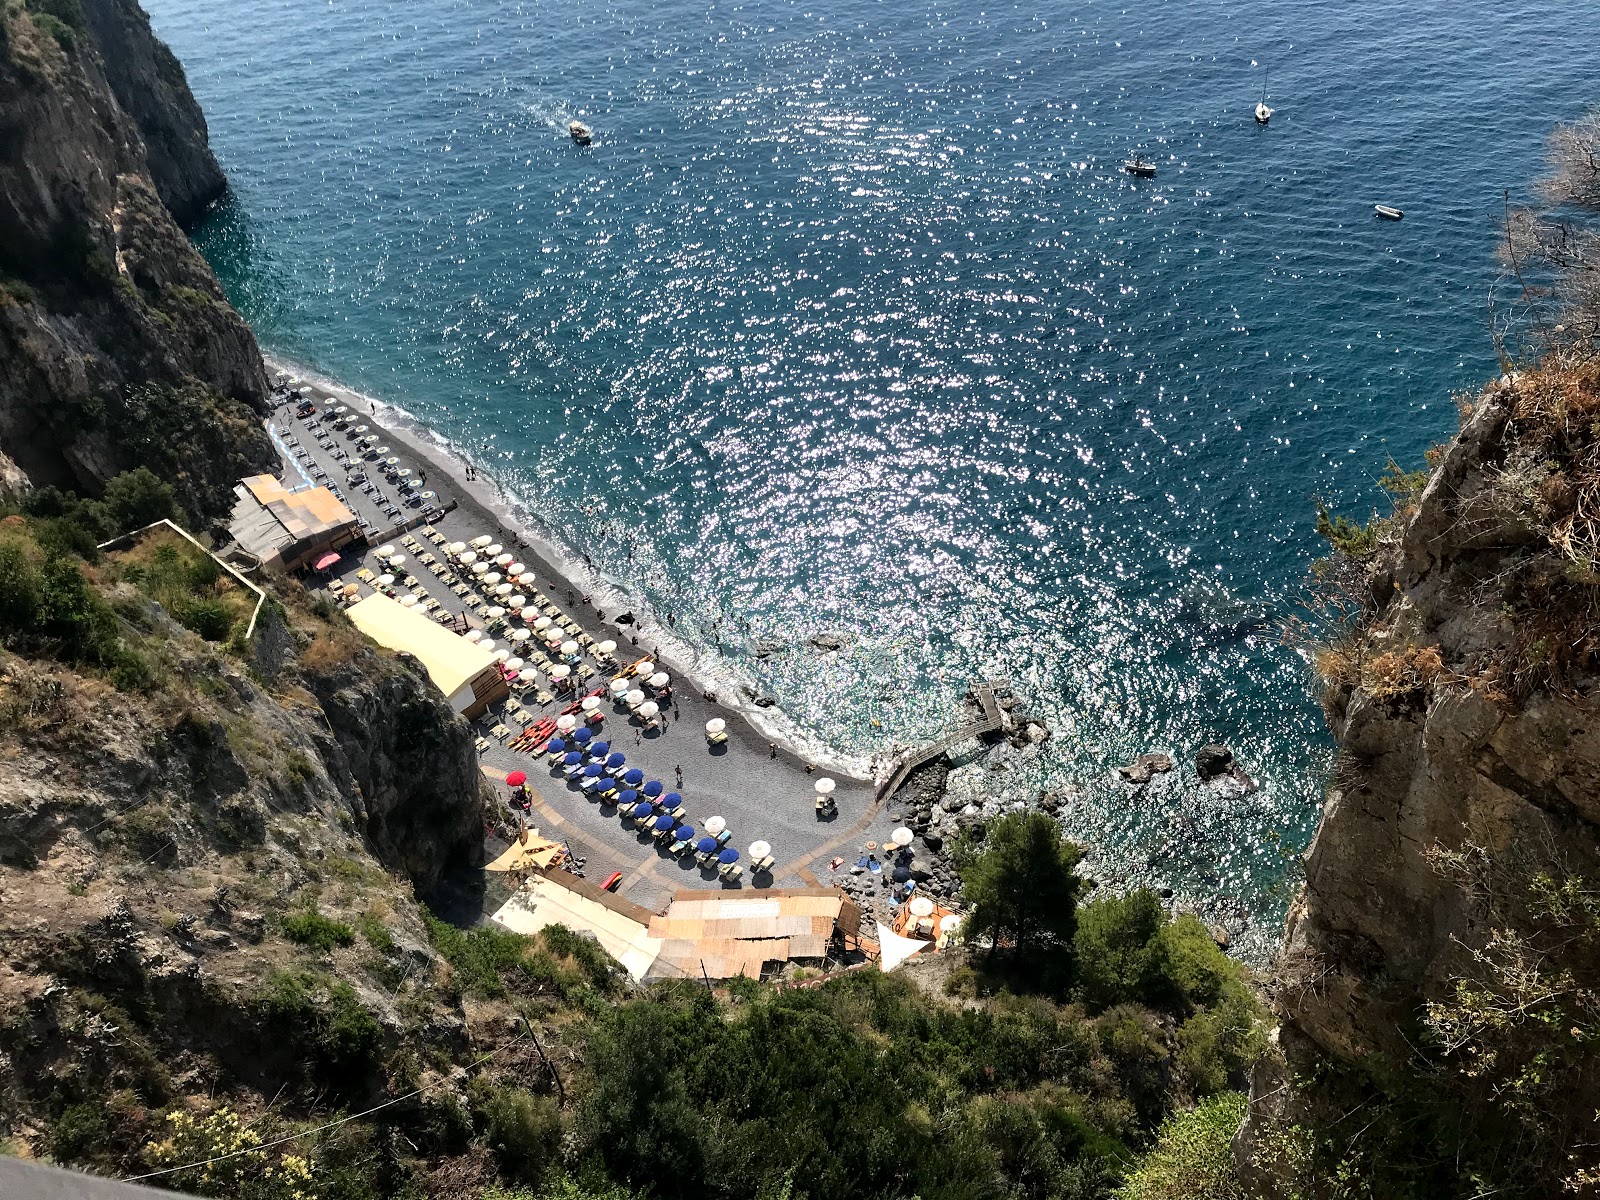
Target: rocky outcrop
x=1469, y=763
x=117, y=347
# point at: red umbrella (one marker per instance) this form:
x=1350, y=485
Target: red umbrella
x=326, y=561
x=517, y=778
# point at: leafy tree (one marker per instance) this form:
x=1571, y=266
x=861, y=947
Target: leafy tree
x=1121, y=956
x=136, y=498
x=1023, y=892
x=21, y=590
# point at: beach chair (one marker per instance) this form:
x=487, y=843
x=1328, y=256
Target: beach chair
x=716, y=739
x=707, y=859
x=678, y=813
x=482, y=744
x=544, y=697
x=762, y=866
x=501, y=732
x=431, y=605
x=722, y=838
x=730, y=872
x=365, y=575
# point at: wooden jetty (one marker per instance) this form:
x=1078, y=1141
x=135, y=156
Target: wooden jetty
x=991, y=721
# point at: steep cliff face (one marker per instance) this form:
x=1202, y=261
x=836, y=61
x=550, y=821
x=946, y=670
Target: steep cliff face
x=1432, y=949
x=150, y=87
x=117, y=346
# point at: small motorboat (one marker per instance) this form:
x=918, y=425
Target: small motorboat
x=1140, y=166
x=580, y=133
x=1388, y=212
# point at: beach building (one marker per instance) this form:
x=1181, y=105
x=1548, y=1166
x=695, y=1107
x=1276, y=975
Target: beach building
x=722, y=934
x=289, y=528
x=465, y=672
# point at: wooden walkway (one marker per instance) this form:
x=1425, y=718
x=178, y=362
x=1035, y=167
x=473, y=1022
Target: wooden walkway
x=991, y=721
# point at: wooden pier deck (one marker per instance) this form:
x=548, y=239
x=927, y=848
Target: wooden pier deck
x=991, y=721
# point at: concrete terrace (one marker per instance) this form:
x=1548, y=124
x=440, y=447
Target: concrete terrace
x=761, y=795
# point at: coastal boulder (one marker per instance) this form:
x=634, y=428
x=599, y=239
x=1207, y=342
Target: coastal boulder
x=1145, y=767
x=1213, y=760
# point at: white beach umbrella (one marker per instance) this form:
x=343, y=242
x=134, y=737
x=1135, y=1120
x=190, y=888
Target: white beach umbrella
x=759, y=850
x=502, y=560
x=502, y=656
x=590, y=703
x=921, y=906
x=473, y=635
x=714, y=825
x=660, y=679
x=542, y=624
x=480, y=568
x=528, y=675
x=397, y=560
x=457, y=548
x=469, y=557
x=496, y=612
x=606, y=647
x=825, y=786
x=902, y=836
x=569, y=648
x=949, y=923
x=384, y=551
x=716, y=725
x=491, y=579
x=520, y=635
x=560, y=671
x=408, y=601
x=554, y=636
x=517, y=601
x=494, y=549
x=502, y=589
x=382, y=450
x=566, y=722
x=482, y=540
x=526, y=579
x=487, y=643
x=385, y=580
x=619, y=687
x=634, y=698
x=645, y=669
x=649, y=709
x=514, y=663
x=515, y=568
x=392, y=460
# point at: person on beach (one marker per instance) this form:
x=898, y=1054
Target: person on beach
x=677, y=770
x=772, y=749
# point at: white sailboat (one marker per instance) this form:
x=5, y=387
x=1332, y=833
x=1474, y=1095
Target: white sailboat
x=1263, y=113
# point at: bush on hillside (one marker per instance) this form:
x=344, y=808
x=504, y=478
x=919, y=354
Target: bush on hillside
x=1023, y=895
x=1193, y=1157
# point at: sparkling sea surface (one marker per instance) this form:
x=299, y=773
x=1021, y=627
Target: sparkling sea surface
x=849, y=323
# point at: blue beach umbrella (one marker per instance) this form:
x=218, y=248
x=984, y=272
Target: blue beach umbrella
x=628, y=797
x=671, y=800
x=607, y=785
x=615, y=761
x=572, y=758
x=728, y=855
x=653, y=788
x=683, y=832
x=592, y=771
x=706, y=845
x=634, y=777
x=642, y=810
x=599, y=749
x=582, y=734
x=556, y=746
x=663, y=823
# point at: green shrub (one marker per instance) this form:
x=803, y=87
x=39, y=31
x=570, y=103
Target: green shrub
x=522, y=1129
x=1121, y=954
x=21, y=590
x=65, y=36
x=209, y=618
x=1193, y=1157
x=479, y=956
x=311, y=928
x=376, y=933
x=78, y=1134
x=136, y=498
x=68, y=11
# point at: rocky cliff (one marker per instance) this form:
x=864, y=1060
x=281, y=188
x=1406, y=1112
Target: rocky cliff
x=1439, y=963
x=117, y=347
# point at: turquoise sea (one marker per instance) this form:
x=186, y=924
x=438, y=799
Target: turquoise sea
x=848, y=322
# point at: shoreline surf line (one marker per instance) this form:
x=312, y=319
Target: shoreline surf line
x=486, y=498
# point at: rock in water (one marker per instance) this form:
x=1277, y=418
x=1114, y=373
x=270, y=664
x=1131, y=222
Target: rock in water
x=1213, y=760
x=1141, y=769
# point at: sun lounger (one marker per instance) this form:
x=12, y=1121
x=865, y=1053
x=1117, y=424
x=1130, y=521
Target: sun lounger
x=730, y=872
x=762, y=865
x=722, y=838
x=501, y=732
x=482, y=744
x=716, y=739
